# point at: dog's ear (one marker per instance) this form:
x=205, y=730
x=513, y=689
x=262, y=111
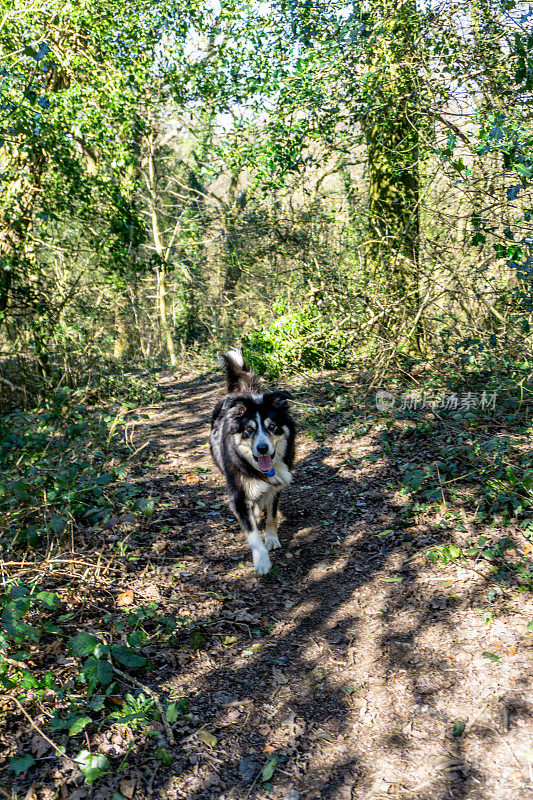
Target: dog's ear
x=279, y=398
x=236, y=404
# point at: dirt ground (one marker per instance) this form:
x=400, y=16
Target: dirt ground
x=348, y=666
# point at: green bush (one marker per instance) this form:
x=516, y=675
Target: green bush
x=307, y=338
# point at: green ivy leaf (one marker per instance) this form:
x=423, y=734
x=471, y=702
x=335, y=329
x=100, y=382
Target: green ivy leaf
x=58, y=523
x=97, y=672
x=269, y=769
x=49, y=600
x=92, y=765
x=58, y=724
x=128, y=657
x=16, y=609
x=83, y=644
x=492, y=657
x=19, y=765
x=97, y=703
x=78, y=725
x=164, y=755
x=458, y=729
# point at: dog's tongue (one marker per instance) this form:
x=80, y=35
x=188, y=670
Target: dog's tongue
x=265, y=463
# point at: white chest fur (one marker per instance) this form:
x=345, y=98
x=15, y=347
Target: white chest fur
x=259, y=491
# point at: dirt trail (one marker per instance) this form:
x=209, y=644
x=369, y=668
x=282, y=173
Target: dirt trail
x=349, y=662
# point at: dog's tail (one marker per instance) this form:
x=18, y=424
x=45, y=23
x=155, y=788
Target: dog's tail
x=239, y=376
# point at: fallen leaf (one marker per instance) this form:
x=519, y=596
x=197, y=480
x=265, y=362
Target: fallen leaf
x=278, y=677
x=268, y=769
x=39, y=746
x=492, y=657
x=125, y=599
x=127, y=787
x=151, y=592
x=53, y=648
x=448, y=763
x=207, y=738
x=114, y=521
x=78, y=794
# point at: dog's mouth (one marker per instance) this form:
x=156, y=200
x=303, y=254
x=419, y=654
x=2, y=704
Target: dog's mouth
x=264, y=463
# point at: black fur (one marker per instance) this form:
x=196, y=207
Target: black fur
x=247, y=422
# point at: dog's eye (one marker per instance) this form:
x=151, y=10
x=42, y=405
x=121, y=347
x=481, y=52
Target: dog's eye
x=272, y=427
x=249, y=430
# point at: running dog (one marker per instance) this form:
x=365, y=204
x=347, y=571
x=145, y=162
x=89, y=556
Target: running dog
x=252, y=444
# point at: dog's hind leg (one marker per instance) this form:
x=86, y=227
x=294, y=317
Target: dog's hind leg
x=244, y=511
x=271, y=535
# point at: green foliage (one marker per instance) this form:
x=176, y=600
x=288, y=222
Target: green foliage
x=18, y=765
x=93, y=765
x=56, y=467
x=459, y=729
x=136, y=712
x=492, y=657
x=303, y=339
x=26, y=616
x=268, y=770
x=54, y=472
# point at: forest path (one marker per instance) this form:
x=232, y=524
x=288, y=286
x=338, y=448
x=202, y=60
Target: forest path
x=349, y=663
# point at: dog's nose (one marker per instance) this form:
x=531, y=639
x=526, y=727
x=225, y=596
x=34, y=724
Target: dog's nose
x=262, y=448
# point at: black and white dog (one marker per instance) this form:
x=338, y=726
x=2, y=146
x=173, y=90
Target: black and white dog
x=252, y=444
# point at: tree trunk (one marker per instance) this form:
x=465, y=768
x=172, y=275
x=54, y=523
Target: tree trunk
x=162, y=291
x=166, y=332
x=123, y=342
x=391, y=133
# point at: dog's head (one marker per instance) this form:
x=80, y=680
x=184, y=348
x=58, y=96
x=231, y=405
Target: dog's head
x=261, y=426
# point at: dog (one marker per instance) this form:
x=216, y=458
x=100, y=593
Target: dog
x=252, y=444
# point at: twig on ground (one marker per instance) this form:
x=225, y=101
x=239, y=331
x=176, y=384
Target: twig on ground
x=40, y=731
x=140, y=448
x=506, y=743
x=11, y=796
x=249, y=792
x=440, y=486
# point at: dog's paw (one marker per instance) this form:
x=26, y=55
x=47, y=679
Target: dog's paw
x=262, y=562
x=272, y=542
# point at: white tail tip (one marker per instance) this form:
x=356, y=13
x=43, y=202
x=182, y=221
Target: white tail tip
x=235, y=354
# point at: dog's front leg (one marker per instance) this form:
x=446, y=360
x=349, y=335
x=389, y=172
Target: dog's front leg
x=271, y=534
x=244, y=511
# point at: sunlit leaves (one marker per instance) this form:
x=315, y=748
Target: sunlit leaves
x=93, y=765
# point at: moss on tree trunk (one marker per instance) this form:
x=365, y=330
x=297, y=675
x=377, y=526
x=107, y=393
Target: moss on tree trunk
x=391, y=133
